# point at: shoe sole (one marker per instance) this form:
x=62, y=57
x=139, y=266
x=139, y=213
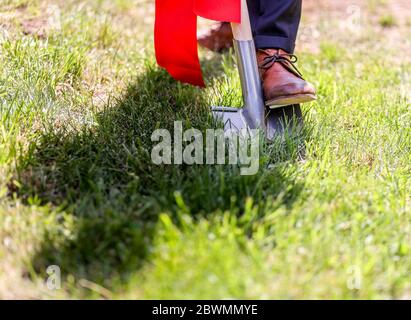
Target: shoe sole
x=290, y=100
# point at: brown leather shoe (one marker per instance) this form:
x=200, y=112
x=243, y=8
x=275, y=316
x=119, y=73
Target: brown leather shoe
x=283, y=83
x=219, y=38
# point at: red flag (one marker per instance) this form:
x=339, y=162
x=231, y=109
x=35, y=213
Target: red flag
x=176, y=33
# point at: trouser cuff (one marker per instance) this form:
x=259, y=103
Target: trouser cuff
x=268, y=42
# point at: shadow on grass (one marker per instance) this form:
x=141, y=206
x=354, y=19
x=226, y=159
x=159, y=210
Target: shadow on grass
x=104, y=177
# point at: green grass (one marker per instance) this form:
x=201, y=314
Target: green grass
x=387, y=21
x=327, y=216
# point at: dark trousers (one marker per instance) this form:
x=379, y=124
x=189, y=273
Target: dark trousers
x=275, y=23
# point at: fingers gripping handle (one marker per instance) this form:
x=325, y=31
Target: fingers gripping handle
x=242, y=31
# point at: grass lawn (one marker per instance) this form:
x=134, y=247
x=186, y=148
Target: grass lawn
x=327, y=216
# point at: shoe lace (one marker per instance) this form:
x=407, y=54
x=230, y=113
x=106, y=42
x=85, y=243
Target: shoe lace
x=288, y=60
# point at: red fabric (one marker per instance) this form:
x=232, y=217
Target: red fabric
x=176, y=33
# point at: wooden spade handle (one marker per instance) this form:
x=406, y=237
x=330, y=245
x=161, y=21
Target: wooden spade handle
x=242, y=31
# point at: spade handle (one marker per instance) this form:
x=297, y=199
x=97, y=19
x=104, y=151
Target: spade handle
x=242, y=31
